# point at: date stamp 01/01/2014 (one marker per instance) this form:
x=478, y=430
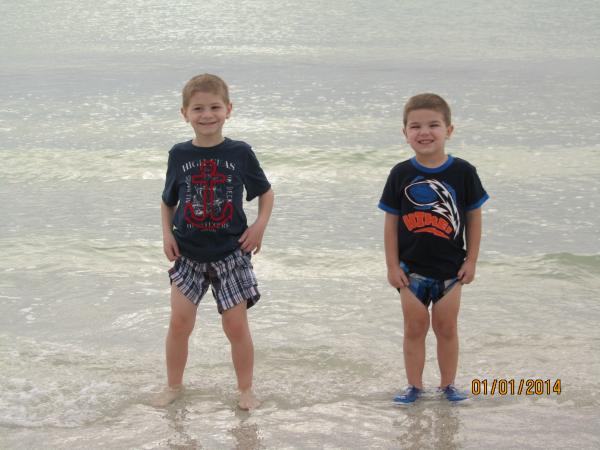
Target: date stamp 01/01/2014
x=524, y=386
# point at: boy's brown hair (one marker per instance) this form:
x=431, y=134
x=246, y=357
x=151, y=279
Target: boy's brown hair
x=428, y=101
x=205, y=83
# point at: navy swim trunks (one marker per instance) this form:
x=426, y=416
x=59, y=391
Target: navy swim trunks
x=426, y=289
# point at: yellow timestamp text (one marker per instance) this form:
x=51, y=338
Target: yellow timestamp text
x=524, y=386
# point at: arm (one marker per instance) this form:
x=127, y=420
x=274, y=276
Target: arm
x=395, y=274
x=170, y=246
x=466, y=274
x=251, y=239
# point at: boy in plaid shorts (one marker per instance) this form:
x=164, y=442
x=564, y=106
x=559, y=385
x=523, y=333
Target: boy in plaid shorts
x=206, y=234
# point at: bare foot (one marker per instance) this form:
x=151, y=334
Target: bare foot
x=167, y=396
x=248, y=400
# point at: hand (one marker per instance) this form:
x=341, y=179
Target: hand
x=397, y=277
x=251, y=239
x=466, y=274
x=170, y=247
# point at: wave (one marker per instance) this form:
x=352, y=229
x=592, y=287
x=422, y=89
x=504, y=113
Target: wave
x=562, y=265
x=51, y=254
x=586, y=262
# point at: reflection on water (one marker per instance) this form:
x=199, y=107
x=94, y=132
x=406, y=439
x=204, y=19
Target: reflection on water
x=181, y=439
x=429, y=425
x=246, y=434
x=185, y=421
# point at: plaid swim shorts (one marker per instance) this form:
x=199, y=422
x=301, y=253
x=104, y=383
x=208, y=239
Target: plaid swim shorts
x=232, y=280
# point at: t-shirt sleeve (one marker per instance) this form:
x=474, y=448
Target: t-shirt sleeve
x=255, y=180
x=390, y=200
x=475, y=193
x=169, y=195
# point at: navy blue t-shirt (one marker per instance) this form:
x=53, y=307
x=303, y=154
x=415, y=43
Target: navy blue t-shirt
x=432, y=205
x=207, y=185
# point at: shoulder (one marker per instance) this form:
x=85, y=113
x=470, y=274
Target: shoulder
x=463, y=164
x=180, y=147
x=402, y=167
x=401, y=171
x=463, y=169
x=238, y=150
x=232, y=144
x=242, y=152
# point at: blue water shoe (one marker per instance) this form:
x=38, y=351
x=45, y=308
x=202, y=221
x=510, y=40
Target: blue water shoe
x=410, y=395
x=453, y=394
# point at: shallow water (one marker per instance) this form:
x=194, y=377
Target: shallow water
x=90, y=109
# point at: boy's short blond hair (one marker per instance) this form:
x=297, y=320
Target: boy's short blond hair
x=205, y=83
x=428, y=101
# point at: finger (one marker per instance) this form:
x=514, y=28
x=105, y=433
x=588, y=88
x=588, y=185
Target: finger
x=257, y=249
x=243, y=237
x=404, y=279
x=398, y=283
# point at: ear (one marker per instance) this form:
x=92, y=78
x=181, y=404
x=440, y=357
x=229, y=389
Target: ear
x=404, y=133
x=449, y=131
x=229, y=109
x=183, y=113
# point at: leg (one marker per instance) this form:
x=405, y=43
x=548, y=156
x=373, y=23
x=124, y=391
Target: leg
x=416, y=325
x=235, y=325
x=444, y=321
x=183, y=318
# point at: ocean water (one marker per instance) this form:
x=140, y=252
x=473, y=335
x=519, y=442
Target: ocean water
x=90, y=107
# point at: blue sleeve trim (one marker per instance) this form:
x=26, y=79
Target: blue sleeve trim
x=388, y=209
x=479, y=203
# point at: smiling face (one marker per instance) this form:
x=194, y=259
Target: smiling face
x=206, y=112
x=426, y=132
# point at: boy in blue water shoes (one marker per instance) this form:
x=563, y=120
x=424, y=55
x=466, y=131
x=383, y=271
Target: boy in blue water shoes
x=432, y=232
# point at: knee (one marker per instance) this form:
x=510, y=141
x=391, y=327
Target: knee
x=234, y=328
x=181, y=326
x=416, y=329
x=445, y=329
